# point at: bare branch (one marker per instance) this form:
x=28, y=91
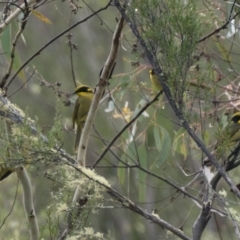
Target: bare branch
x=219, y=29
x=15, y=14
x=108, y=66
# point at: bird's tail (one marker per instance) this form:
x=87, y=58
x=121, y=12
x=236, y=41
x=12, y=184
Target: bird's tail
x=78, y=136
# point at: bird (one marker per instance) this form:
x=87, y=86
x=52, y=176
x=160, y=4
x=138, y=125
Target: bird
x=231, y=133
x=229, y=137
x=81, y=109
x=155, y=81
x=233, y=129
x=156, y=85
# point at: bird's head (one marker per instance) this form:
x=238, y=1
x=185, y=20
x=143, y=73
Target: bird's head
x=236, y=117
x=82, y=89
x=151, y=72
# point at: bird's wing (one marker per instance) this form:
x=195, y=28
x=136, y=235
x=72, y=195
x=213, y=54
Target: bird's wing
x=83, y=109
x=234, y=132
x=75, y=112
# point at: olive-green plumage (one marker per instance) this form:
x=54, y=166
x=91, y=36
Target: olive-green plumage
x=229, y=137
x=233, y=130
x=155, y=81
x=82, y=106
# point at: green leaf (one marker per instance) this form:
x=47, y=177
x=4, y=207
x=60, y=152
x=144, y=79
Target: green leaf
x=7, y=45
x=157, y=138
x=6, y=40
x=166, y=145
x=142, y=154
x=17, y=64
x=223, y=51
x=179, y=145
x=206, y=137
x=224, y=121
x=163, y=144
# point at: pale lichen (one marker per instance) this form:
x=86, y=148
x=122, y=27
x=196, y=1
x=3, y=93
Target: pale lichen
x=86, y=234
x=94, y=176
x=234, y=214
x=223, y=193
x=62, y=207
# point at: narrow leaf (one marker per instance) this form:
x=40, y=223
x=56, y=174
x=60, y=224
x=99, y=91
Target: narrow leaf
x=179, y=144
x=41, y=17
x=142, y=153
x=6, y=40
x=157, y=138
x=166, y=145
x=17, y=64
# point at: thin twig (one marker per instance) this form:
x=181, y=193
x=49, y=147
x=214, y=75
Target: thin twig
x=124, y=128
x=23, y=83
x=19, y=10
x=12, y=54
x=218, y=29
x=14, y=201
x=52, y=40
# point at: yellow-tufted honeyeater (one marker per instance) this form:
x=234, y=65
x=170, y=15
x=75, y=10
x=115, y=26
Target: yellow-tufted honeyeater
x=155, y=81
x=82, y=106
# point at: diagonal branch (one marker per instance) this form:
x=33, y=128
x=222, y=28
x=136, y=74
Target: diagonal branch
x=127, y=203
x=218, y=29
x=172, y=103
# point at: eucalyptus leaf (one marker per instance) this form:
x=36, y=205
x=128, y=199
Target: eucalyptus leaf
x=142, y=154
